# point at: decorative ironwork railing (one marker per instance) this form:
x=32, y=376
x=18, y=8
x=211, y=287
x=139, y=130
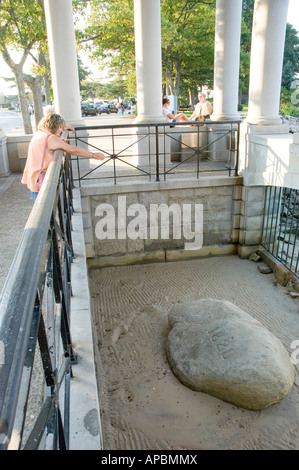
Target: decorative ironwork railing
x=35, y=300
x=160, y=151
x=34, y=309
x=280, y=234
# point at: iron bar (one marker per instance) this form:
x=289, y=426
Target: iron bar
x=41, y=266
x=157, y=153
x=281, y=226
x=121, y=152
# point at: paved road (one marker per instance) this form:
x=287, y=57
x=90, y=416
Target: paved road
x=11, y=121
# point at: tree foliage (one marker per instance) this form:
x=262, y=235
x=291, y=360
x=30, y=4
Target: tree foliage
x=291, y=57
x=187, y=29
x=22, y=27
x=109, y=35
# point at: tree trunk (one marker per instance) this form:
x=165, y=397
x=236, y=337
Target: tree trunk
x=23, y=100
x=191, y=93
x=35, y=84
x=173, y=85
x=177, y=76
x=42, y=60
x=169, y=81
x=17, y=70
x=47, y=84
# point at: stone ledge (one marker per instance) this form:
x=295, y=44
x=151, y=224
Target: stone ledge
x=127, y=259
x=85, y=418
x=281, y=272
x=162, y=256
x=204, y=181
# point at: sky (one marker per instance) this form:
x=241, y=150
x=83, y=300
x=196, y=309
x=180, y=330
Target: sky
x=293, y=18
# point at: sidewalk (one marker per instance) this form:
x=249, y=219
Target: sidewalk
x=15, y=207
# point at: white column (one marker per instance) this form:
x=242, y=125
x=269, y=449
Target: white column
x=63, y=59
x=147, y=18
x=267, y=49
x=227, y=59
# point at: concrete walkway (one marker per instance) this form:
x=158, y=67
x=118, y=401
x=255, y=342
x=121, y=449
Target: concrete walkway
x=15, y=207
x=15, y=200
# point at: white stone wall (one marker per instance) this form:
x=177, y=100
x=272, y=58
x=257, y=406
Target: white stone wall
x=221, y=199
x=269, y=159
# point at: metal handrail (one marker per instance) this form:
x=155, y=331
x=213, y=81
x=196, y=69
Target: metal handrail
x=280, y=227
x=158, y=169
x=41, y=266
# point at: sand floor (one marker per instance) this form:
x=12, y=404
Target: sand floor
x=144, y=406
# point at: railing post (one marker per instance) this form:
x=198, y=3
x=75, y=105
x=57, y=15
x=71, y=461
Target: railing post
x=41, y=266
x=157, y=153
x=237, y=150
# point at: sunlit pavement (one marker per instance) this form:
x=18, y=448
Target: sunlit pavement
x=11, y=121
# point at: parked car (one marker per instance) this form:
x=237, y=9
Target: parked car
x=88, y=110
x=108, y=108
x=98, y=105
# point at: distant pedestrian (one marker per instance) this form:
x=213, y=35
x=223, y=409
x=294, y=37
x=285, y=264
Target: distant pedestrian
x=50, y=109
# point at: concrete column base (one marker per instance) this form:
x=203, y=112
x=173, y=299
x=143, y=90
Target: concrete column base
x=145, y=147
x=251, y=220
x=225, y=117
x=219, y=142
x=191, y=140
x=268, y=156
x=4, y=165
x=148, y=119
x=265, y=129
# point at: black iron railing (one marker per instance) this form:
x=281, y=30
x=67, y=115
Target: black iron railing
x=280, y=234
x=34, y=309
x=159, y=151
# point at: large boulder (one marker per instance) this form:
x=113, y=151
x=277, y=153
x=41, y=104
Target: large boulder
x=217, y=348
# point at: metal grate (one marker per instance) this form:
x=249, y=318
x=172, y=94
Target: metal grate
x=34, y=310
x=156, y=152
x=280, y=235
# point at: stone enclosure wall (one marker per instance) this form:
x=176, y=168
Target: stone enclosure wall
x=231, y=220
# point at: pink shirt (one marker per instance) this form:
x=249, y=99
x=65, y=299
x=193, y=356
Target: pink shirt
x=34, y=160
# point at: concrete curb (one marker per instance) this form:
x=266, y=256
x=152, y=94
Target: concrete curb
x=85, y=424
x=282, y=273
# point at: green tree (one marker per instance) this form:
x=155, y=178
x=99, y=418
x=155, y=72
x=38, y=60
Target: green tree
x=109, y=35
x=92, y=89
x=246, y=33
x=291, y=50
x=22, y=27
x=187, y=42
x=291, y=57
x=188, y=30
